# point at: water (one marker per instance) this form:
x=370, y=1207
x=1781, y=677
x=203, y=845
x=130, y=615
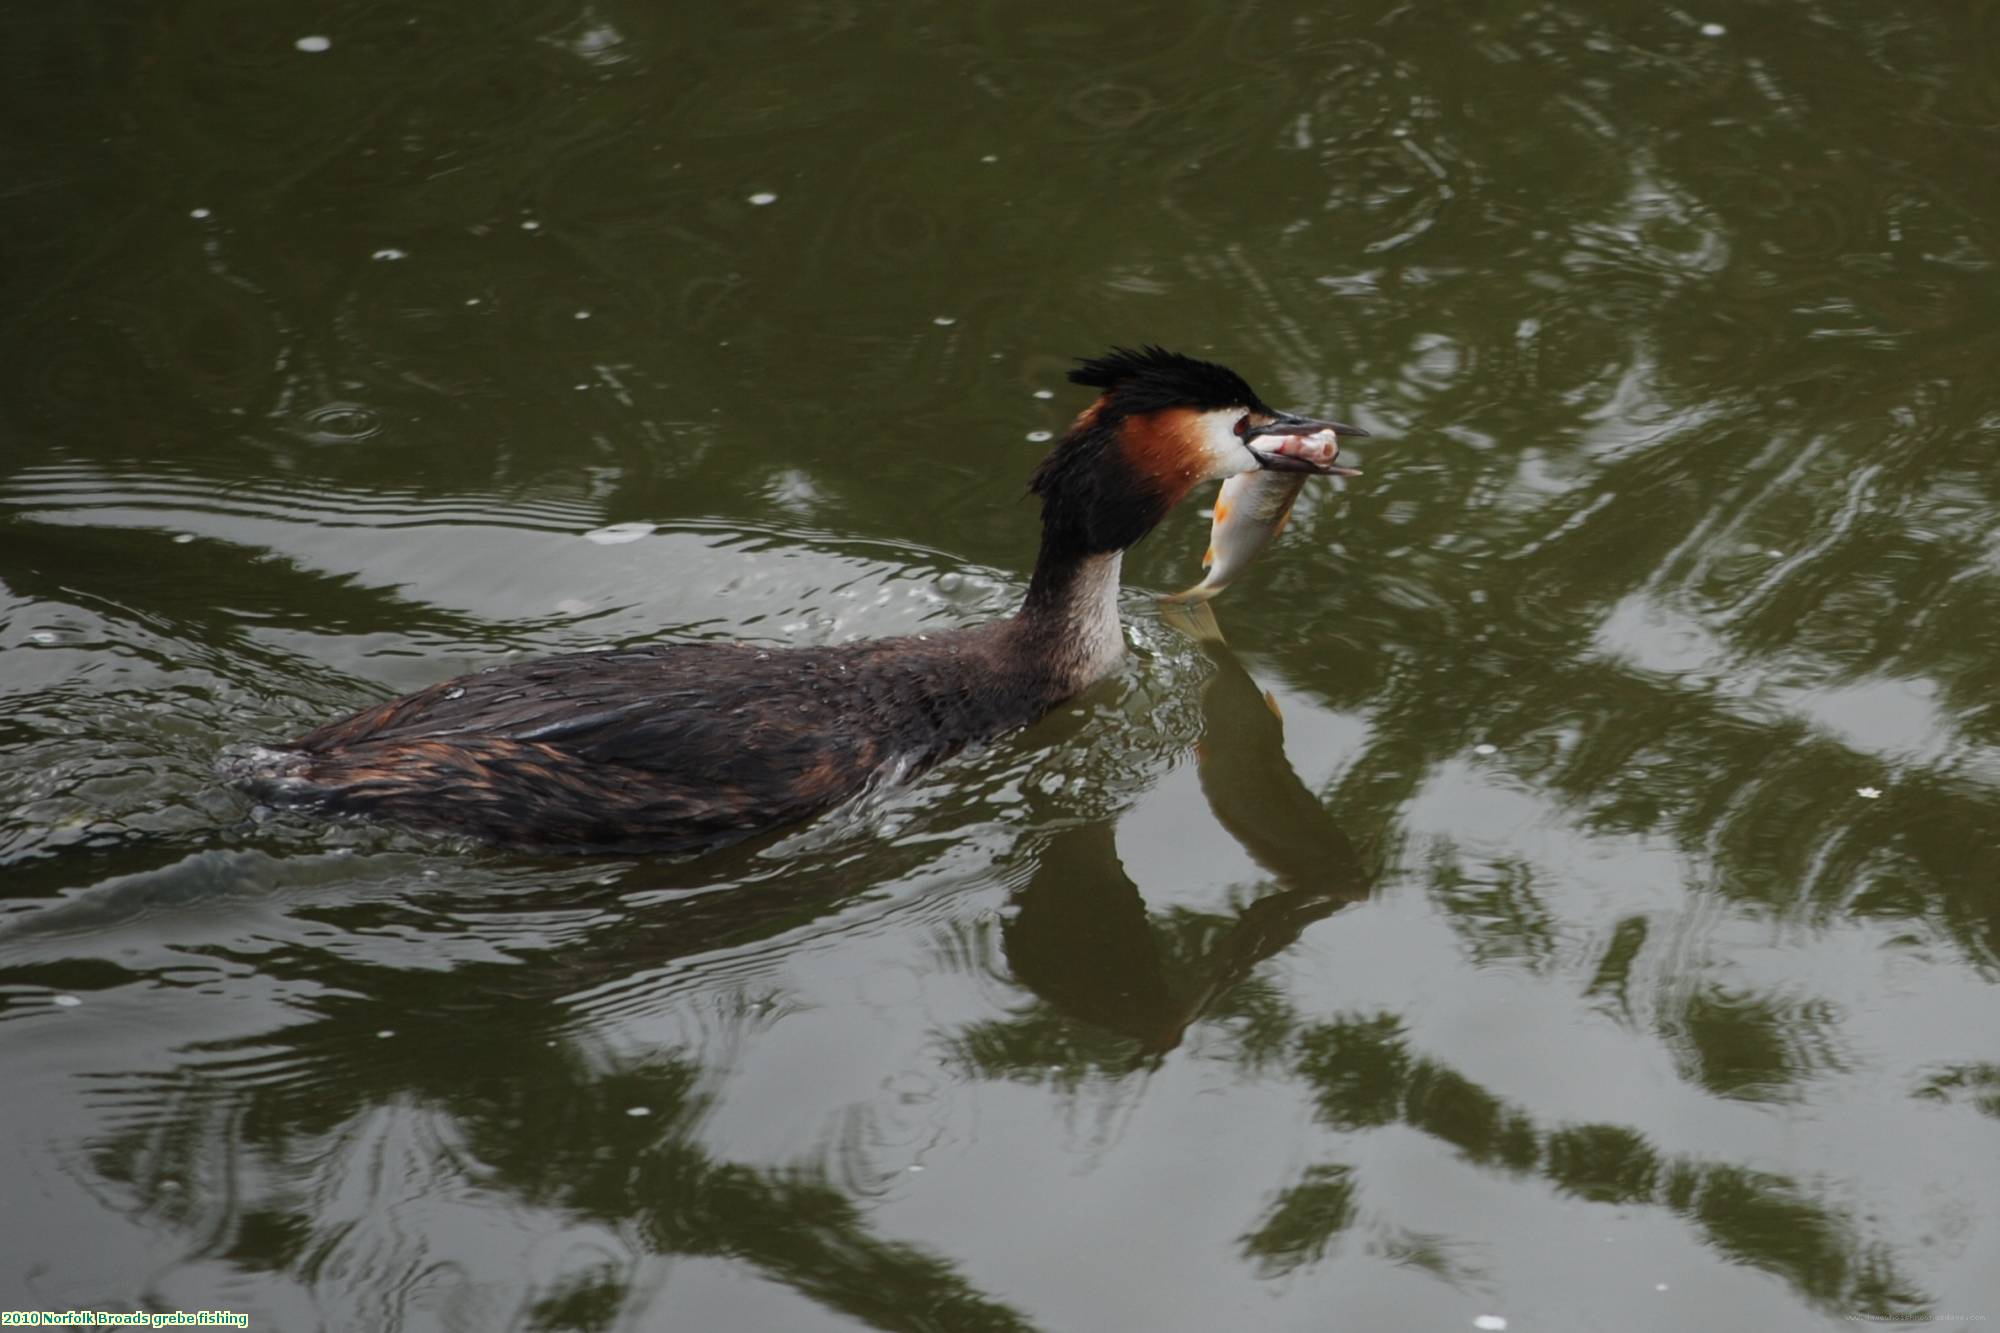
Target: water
x=1604, y=937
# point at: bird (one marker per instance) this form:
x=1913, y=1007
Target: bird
x=687, y=747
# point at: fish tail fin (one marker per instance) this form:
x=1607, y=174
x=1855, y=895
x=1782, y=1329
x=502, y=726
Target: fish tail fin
x=1196, y=619
x=1194, y=596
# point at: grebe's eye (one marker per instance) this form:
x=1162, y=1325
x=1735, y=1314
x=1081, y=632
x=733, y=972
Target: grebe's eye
x=1243, y=426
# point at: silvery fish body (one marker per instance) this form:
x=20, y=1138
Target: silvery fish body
x=1250, y=510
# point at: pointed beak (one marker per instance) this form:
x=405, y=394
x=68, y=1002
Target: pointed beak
x=1300, y=444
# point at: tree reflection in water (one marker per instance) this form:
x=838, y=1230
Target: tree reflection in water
x=1116, y=988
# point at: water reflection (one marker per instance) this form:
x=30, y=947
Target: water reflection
x=1115, y=988
x=1365, y=1076
x=1079, y=935
x=340, y=1151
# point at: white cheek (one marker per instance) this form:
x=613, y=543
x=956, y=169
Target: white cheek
x=1223, y=450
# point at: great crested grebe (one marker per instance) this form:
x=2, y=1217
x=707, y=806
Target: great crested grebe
x=683, y=747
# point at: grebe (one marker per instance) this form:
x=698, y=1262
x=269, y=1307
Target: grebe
x=685, y=747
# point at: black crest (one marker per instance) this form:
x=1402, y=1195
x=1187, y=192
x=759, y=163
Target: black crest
x=1151, y=378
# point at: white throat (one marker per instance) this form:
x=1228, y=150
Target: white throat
x=1093, y=638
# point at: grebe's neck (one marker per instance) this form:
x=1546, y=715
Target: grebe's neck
x=1071, y=615
x=1105, y=485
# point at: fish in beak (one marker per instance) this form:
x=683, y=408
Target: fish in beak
x=1299, y=444
x=1253, y=507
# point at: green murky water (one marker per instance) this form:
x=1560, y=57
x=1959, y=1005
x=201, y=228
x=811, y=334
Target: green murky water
x=1607, y=937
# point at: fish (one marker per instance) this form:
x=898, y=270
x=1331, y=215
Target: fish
x=1252, y=509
